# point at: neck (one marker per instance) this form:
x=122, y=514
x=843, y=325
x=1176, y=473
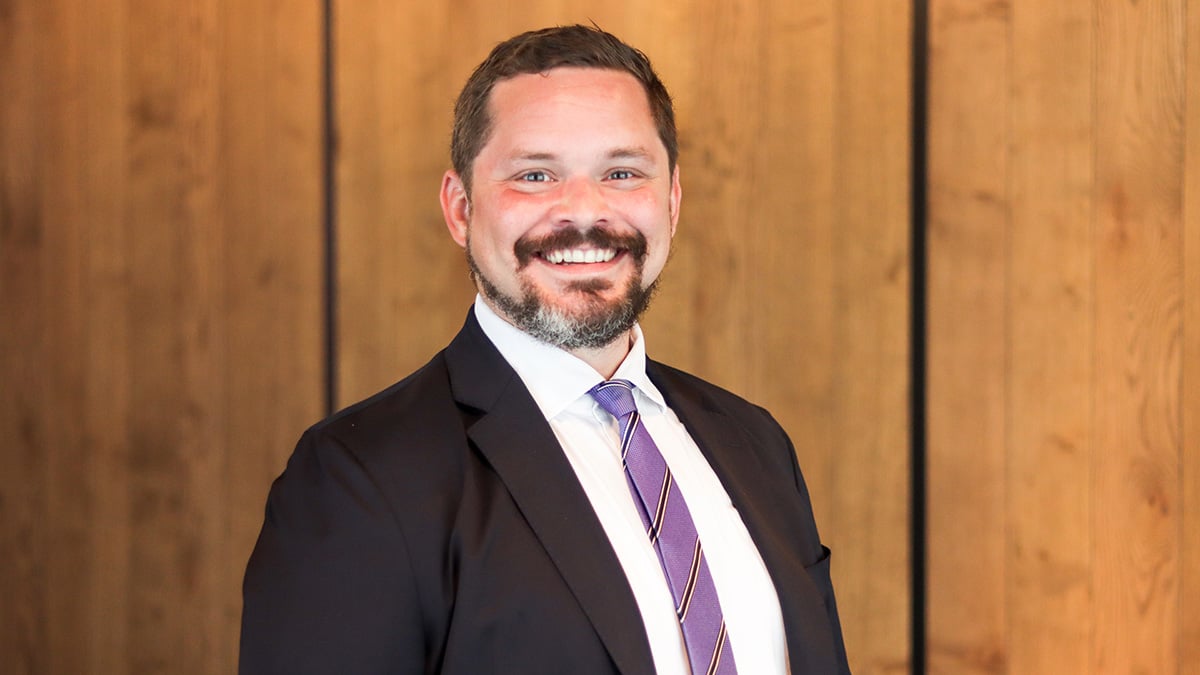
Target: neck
x=605, y=360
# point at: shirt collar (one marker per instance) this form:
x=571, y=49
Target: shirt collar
x=554, y=377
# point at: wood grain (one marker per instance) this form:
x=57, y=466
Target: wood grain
x=1189, y=559
x=1138, y=244
x=870, y=467
x=1049, y=332
x=788, y=282
x=968, y=239
x=1085, y=561
x=161, y=223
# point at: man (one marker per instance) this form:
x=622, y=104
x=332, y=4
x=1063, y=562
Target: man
x=540, y=497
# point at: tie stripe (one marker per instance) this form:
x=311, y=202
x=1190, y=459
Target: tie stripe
x=626, y=437
x=689, y=589
x=661, y=512
x=716, y=657
x=671, y=531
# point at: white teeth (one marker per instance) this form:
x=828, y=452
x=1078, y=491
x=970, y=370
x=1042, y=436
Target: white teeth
x=590, y=255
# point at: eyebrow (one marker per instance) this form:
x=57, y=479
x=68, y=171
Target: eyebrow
x=629, y=153
x=534, y=156
x=618, y=153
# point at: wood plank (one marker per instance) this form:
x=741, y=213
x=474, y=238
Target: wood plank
x=968, y=244
x=1189, y=557
x=870, y=462
x=402, y=285
x=22, y=352
x=1050, y=305
x=787, y=306
x=172, y=174
x=95, y=164
x=71, y=120
x=270, y=308
x=1139, y=274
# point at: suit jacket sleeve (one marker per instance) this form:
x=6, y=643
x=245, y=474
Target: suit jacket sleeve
x=329, y=587
x=820, y=574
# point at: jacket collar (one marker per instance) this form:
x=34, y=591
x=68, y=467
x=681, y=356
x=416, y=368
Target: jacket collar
x=512, y=434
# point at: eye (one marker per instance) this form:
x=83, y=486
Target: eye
x=620, y=174
x=534, y=177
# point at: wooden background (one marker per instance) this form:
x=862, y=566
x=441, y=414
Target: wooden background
x=160, y=318
x=1064, y=337
x=162, y=282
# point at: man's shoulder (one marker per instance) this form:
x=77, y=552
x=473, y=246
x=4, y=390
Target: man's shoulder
x=413, y=405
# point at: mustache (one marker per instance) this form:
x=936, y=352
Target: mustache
x=527, y=248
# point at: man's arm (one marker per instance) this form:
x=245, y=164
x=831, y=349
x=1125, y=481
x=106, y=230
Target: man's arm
x=819, y=572
x=329, y=587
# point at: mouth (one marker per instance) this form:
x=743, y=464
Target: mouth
x=577, y=256
x=572, y=247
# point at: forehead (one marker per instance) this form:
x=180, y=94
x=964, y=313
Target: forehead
x=607, y=99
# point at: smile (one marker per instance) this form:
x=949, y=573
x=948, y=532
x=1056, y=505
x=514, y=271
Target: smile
x=579, y=255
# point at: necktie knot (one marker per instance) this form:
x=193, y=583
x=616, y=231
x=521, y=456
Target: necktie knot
x=615, y=396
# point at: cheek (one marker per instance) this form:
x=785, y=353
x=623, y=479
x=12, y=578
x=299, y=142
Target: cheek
x=507, y=217
x=515, y=206
x=491, y=228
x=646, y=209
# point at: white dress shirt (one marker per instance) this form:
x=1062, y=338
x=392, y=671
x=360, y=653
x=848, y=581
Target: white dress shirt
x=559, y=382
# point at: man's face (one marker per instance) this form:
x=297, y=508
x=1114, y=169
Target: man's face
x=573, y=205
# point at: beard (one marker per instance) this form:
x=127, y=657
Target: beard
x=595, y=322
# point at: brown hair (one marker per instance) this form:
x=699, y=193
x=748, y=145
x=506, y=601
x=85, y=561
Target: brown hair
x=537, y=52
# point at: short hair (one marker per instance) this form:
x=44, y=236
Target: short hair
x=537, y=52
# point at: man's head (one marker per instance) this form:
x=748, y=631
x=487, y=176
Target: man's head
x=565, y=193
x=538, y=52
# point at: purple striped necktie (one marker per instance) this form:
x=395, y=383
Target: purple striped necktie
x=669, y=525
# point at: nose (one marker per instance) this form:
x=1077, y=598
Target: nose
x=581, y=203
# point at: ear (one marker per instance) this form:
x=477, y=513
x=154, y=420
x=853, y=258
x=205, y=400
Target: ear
x=676, y=195
x=456, y=207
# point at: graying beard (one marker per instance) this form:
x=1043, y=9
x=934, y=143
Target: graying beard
x=555, y=327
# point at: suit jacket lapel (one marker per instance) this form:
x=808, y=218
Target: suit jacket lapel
x=514, y=437
x=727, y=447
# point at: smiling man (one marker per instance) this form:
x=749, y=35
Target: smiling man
x=541, y=497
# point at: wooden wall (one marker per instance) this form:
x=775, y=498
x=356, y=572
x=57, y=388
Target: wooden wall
x=161, y=290
x=162, y=239
x=789, y=280
x=161, y=333
x=1064, y=337
x=160, y=323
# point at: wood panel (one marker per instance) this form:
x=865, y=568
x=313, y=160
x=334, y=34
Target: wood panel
x=1189, y=560
x=160, y=296
x=1049, y=306
x=1085, y=471
x=789, y=277
x=1139, y=289
x=869, y=465
x=968, y=235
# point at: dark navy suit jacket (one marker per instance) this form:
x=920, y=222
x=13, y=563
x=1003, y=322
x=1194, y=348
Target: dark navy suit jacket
x=438, y=527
